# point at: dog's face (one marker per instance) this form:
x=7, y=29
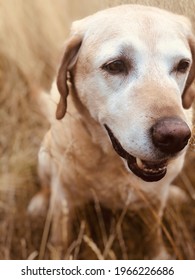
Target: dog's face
x=133, y=68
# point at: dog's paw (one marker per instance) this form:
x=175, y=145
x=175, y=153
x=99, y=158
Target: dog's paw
x=38, y=205
x=163, y=255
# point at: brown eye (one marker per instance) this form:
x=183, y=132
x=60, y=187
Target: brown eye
x=115, y=67
x=183, y=66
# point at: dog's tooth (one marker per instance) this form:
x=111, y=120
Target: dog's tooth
x=139, y=163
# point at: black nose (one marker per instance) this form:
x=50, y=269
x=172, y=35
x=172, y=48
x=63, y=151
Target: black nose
x=170, y=135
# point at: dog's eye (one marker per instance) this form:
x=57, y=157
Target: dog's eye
x=115, y=67
x=183, y=66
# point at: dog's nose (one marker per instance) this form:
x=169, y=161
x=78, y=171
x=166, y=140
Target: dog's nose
x=170, y=134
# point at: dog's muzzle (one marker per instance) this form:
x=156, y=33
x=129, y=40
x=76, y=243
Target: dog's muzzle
x=146, y=170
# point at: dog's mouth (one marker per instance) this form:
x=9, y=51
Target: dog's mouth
x=149, y=171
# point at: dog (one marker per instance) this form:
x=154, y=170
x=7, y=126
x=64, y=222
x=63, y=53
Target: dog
x=124, y=129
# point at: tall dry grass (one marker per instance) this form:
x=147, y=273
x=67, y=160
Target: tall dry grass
x=31, y=33
x=31, y=36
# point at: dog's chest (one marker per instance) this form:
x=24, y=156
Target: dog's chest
x=87, y=172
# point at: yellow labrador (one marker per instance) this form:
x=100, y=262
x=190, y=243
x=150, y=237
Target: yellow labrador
x=125, y=130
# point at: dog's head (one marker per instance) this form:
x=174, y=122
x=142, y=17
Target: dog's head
x=133, y=68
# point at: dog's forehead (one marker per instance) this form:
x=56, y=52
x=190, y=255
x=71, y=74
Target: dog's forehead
x=127, y=19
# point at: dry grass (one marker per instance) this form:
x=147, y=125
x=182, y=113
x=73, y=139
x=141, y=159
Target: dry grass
x=31, y=34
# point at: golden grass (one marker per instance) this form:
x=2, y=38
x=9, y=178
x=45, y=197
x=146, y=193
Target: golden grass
x=31, y=35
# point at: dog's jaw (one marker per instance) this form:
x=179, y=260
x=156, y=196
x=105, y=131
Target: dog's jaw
x=147, y=171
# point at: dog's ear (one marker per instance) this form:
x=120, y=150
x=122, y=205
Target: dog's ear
x=189, y=90
x=69, y=59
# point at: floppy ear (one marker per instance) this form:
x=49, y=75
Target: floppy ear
x=69, y=59
x=189, y=90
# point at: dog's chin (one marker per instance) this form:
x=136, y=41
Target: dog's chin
x=149, y=171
